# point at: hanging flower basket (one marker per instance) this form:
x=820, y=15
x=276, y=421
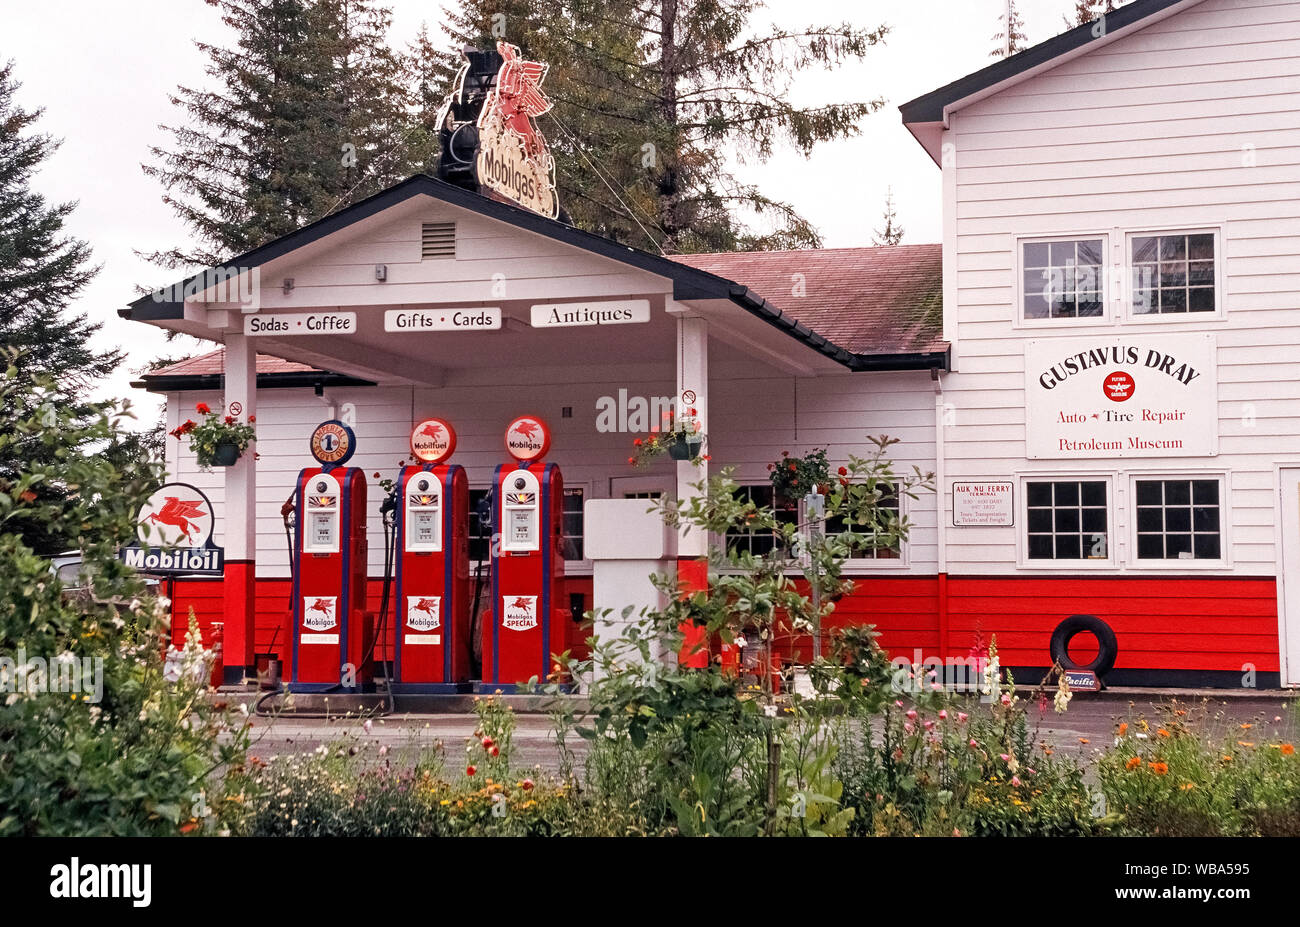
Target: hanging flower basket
x=226, y=455
x=685, y=448
x=216, y=440
x=680, y=439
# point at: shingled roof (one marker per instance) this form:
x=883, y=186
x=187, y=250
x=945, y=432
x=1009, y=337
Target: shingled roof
x=206, y=371
x=886, y=300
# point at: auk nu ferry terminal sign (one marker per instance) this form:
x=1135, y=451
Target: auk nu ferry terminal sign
x=1091, y=398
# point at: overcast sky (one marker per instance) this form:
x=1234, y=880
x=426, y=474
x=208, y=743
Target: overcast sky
x=103, y=69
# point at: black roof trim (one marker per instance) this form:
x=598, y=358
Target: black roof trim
x=177, y=382
x=930, y=107
x=916, y=360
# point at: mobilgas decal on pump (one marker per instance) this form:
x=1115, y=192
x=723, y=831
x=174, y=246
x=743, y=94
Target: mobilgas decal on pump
x=519, y=612
x=423, y=613
x=320, y=612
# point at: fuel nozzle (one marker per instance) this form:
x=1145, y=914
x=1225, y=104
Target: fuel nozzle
x=288, y=511
x=388, y=508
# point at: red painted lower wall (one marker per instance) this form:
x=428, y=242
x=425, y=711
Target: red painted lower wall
x=1162, y=623
x=1170, y=623
x=272, y=604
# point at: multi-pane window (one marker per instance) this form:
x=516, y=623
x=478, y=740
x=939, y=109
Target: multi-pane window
x=1067, y=520
x=873, y=549
x=1173, y=273
x=1062, y=279
x=573, y=523
x=759, y=542
x=1179, y=520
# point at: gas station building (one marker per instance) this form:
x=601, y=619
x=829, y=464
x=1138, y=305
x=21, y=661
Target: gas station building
x=1123, y=446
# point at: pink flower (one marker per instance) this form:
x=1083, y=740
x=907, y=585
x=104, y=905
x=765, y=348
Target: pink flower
x=929, y=725
x=1006, y=698
x=911, y=713
x=1005, y=757
x=972, y=742
x=909, y=726
x=898, y=702
x=943, y=714
x=962, y=717
x=1015, y=780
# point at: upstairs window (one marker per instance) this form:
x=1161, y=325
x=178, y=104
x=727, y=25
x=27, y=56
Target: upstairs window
x=1173, y=274
x=1062, y=279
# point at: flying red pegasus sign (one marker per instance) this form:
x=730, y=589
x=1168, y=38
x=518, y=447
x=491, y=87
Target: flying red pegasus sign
x=513, y=159
x=174, y=531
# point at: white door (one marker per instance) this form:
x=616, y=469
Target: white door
x=1289, y=577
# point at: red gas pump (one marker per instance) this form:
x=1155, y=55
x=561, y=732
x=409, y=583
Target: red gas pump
x=432, y=599
x=332, y=632
x=529, y=623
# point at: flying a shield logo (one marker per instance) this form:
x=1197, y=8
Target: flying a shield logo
x=518, y=612
x=319, y=613
x=423, y=612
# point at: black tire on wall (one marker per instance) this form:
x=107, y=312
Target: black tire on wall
x=1107, y=646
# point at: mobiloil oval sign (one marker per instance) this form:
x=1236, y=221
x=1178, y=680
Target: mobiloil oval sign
x=174, y=531
x=1096, y=398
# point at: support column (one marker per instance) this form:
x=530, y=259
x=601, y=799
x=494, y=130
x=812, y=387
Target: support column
x=241, y=517
x=692, y=548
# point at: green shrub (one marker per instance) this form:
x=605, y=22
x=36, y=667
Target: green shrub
x=105, y=745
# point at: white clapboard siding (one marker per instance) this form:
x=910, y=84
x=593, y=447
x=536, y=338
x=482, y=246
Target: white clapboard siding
x=756, y=414
x=1191, y=122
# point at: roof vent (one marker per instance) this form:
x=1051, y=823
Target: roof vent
x=437, y=240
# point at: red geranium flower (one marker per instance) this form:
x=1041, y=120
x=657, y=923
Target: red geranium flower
x=203, y=408
x=844, y=471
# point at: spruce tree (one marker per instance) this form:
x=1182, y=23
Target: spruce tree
x=1010, y=37
x=1086, y=11
x=892, y=232
x=42, y=269
x=656, y=101
x=307, y=115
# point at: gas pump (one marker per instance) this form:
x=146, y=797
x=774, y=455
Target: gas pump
x=332, y=632
x=529, y=622
x=432, y=583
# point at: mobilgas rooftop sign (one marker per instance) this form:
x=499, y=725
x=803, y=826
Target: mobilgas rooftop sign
x=174, y=528
x=1088, y=398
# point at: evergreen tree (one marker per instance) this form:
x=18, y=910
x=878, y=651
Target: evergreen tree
x=1086, y=11
x=1010, y=37
x=42, y=269
x=892, y=233
x=307, y=116
x=656, y=100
